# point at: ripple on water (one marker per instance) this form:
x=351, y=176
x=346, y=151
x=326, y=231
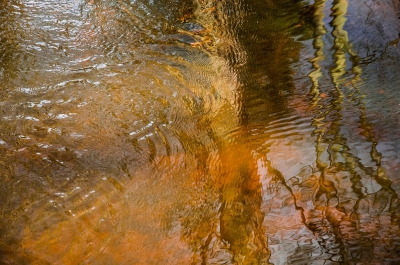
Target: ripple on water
x=125, y=138
x=94, y=132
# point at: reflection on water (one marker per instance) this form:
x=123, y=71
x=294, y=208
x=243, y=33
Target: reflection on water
x=215, y=132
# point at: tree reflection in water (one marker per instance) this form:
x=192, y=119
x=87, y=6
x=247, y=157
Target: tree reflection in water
x=230, y=132
x=257, y=42
x=342, y=199
x=351, y=192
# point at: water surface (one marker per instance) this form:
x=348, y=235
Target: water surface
x=207, y=132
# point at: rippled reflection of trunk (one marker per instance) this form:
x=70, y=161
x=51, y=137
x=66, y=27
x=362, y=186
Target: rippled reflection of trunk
x=338, y=183
x=152, y=132
x=342, y=190
x=254, y=39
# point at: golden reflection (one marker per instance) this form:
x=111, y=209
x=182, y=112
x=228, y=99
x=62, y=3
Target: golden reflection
x=318, y=45
x=241, y=218
x=157, y=152
x=342, y=45
x=229, y=227
x=225, y=225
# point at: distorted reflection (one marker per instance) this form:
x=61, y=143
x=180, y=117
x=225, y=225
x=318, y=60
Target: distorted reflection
x=199, y=132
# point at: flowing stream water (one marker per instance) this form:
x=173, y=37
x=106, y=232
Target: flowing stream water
x=199, y=132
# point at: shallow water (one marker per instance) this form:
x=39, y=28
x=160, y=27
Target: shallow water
x=208, y=132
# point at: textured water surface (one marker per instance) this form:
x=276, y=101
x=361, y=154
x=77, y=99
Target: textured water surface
x=199, y=132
